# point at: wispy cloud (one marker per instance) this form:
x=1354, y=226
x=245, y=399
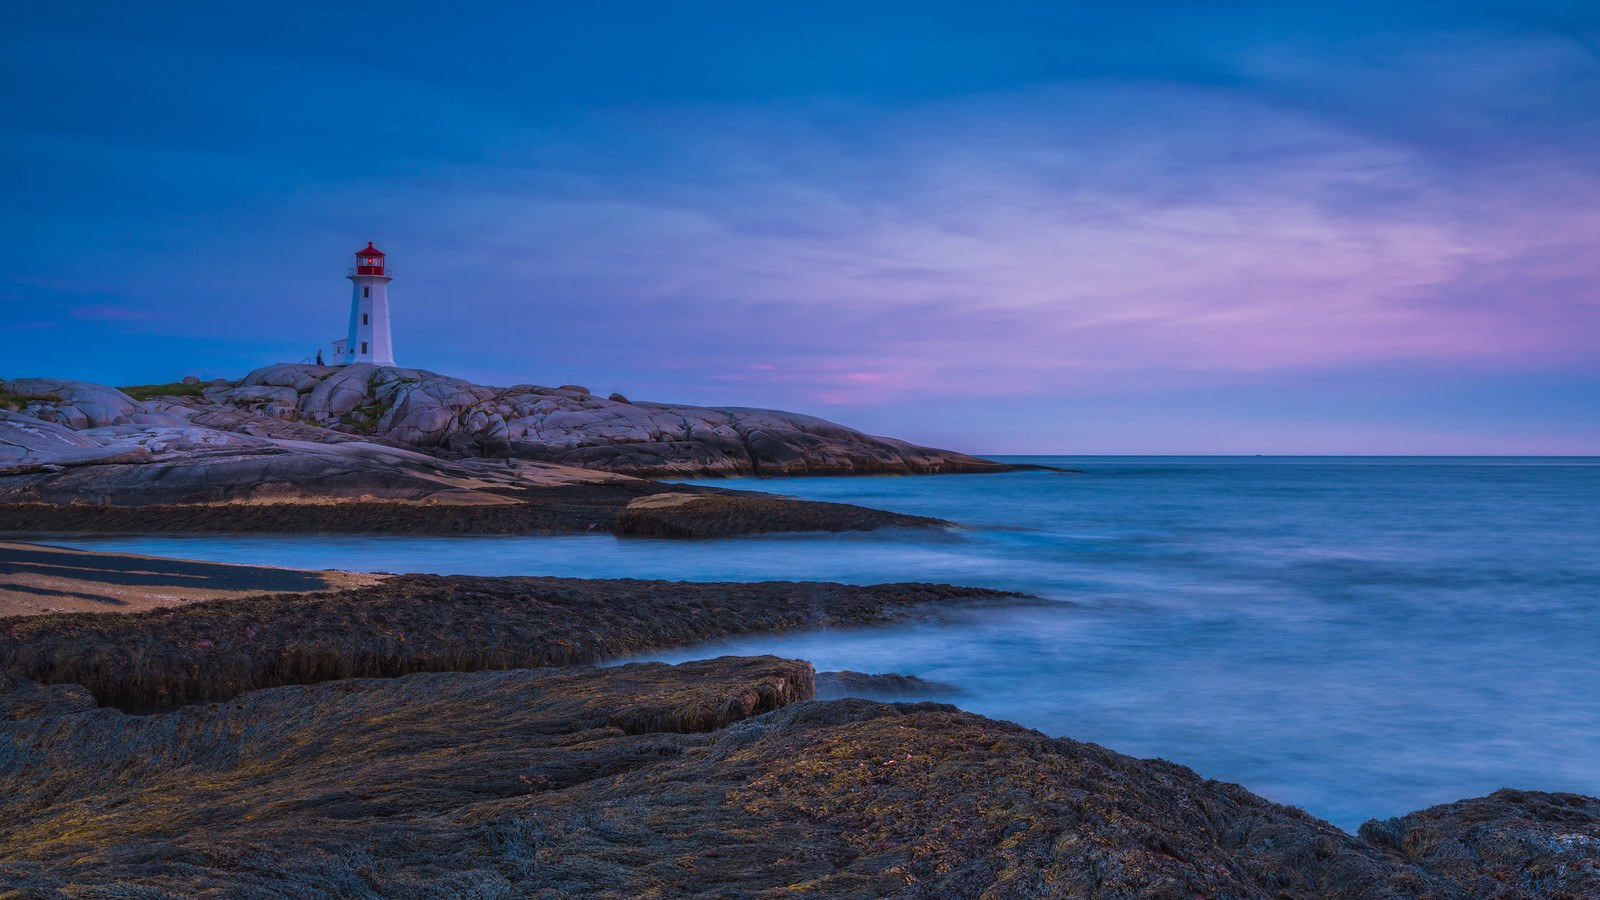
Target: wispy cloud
x=1005, y=212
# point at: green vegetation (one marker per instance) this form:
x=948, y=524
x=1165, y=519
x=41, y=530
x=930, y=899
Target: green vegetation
x=9, y=400
x=152, y=391
x=365, y=419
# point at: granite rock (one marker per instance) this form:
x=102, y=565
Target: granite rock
x=570, y=425
x=190, y=478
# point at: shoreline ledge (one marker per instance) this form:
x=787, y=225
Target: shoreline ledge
x=712, y=778
x=433, y=735
x=40, y=578
x=304, y=449
x=711, y=513
x=214, y=650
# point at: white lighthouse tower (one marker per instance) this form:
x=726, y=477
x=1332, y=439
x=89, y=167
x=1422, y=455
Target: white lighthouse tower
x=368, y=340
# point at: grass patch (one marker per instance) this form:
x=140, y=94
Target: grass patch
x=365, y=419
x=152, y=391
x=9, y=400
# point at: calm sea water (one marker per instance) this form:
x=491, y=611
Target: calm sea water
x=1358, y=637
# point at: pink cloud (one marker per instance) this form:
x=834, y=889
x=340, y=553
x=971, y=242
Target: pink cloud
x=112, y=312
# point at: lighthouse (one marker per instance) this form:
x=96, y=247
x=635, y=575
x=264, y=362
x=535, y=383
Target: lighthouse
x=368, y=340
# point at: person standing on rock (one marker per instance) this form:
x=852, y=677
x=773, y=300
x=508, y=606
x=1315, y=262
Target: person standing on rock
x=319, y=356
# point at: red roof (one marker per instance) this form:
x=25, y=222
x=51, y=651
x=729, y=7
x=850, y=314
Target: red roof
x=369, y=251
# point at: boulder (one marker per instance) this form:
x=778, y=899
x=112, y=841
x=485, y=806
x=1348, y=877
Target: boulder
x=78, y=404
x=337, y=394
x=833, y=685
x=254, y=396
x=299, y=378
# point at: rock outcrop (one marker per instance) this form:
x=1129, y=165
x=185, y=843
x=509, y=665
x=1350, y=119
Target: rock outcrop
x=888, y=686
x=708, y=779
x=1508, y=844
x=384, y=450
x=141, y=465
x=402, y=752
x=453, y=417
x=170, y=472
x=425, y=623
x=78, y=405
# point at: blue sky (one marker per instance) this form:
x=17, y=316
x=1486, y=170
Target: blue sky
x=1159, y=227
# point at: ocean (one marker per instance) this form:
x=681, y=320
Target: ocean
x=1360, y=637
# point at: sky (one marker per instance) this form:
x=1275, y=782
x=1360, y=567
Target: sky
x=1219, y=227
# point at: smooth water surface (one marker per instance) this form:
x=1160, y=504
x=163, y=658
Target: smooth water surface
x=1359, y=637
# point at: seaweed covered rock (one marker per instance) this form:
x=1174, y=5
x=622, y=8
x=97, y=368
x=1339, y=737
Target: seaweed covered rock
x=23, y=699
x=424, y=623
x=707, y=779
x=834, y=685
x=455, y=771
x=702, y=514
x=1508, y=844
x=311, y=786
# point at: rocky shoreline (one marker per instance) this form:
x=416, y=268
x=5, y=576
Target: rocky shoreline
x=425, y=623
x=79, y=458
x=576, y=509
x=298, y=407
x=439, y=735
x=419, y=735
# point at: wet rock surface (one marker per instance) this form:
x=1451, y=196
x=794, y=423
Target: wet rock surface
x=715, y=514
x=891, y=686
x=421, y=623
x=24, y=699
x=708, y=779
x=481, y=762
x=1508, y=844
x=350, y=788
x=562, y=509
x=36, y=578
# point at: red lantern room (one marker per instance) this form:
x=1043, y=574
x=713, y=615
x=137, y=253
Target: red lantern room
x=369, y=261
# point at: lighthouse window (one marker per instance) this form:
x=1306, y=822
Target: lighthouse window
x=366, y=292
x=363, y=318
